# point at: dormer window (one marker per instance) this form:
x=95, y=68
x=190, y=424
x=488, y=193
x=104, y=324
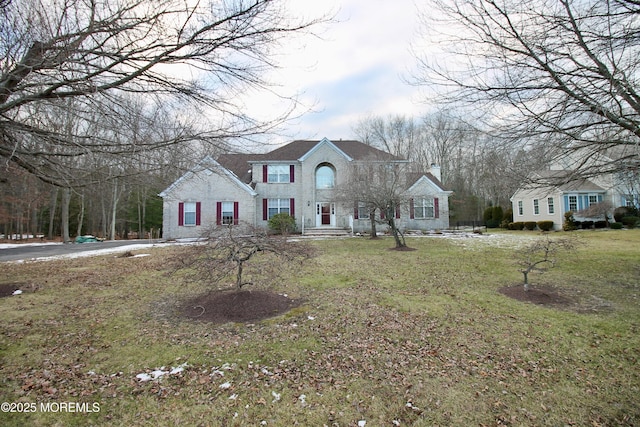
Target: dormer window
x=277, y=173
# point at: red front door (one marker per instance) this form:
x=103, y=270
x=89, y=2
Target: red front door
x=326, y=214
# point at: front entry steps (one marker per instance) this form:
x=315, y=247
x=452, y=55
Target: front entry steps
x=326, y=231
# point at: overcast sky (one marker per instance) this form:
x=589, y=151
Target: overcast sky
x=355, y=69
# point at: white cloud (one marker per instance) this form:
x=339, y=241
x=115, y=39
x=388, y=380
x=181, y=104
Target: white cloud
x=354, y=69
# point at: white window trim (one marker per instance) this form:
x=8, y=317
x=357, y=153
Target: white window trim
x=551, y=207
x=186, y=211
x=280, y=172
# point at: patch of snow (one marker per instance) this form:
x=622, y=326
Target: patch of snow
x=311, y=318
x=21, y=245
x=362, y=423
x=159, y=373
x=17, y=292
x=225, y=386
x=276, y=396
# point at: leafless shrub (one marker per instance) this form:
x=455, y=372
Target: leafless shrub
x=240, y=255
x=540, y=256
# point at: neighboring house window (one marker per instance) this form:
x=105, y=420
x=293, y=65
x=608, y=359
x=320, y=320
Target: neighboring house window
x=550, y=206
x=421, y=208
x=278, y=173
x=520, y=208
x=227, y=213
x=593, y=199
x=189, y=213
x=536, y=207
x=271, y=207
x=325, y=177
x=573, y=203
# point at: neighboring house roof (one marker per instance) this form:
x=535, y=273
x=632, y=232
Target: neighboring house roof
x=563, y=181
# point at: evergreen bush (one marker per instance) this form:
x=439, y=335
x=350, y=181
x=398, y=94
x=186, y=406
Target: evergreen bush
x=282, y=223
x=530, y=225
x=545, y=225
x=569, y=222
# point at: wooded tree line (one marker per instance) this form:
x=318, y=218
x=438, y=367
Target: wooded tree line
x=478, y=167
x=103, y=102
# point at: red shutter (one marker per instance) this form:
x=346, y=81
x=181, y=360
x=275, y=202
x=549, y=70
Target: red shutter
x=265, y=213
x=198, y=212
x=398, y=211
x=291, y=174
x=265, y=173
x=381, y=213
x=180, y=213
x=436, y=207
x=235, y=213
x=412, y=206
x=218, y=213
x=292, y=207
x=355, y=211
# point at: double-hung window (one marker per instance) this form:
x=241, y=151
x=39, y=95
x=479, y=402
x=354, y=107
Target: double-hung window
x=536, y=207
x=277, y=206
x=362, y=211
x=189, y=213
x=550, y=207
x=573, y=203
x=423, y=208
x=278, y=173
x=520, y=208
x=227, y=213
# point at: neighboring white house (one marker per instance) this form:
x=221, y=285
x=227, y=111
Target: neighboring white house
x=300, y=179
x=538, y=201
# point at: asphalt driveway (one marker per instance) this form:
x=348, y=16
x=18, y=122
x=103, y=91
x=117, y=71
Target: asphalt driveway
x=29, y=252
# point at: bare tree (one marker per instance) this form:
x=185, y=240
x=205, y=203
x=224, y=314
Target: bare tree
x=242, y=254
x=563, y=72
x=540, y=256
x=197, y=57
x=378, y=187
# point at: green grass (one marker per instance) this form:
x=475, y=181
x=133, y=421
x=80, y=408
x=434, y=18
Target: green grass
x=410, y=338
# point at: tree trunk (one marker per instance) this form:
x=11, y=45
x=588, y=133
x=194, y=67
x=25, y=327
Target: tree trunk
x=372, y=218
x=80, y=216
x=114, y=208
x=64, y=214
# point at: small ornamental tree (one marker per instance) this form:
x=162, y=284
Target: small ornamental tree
x=540, y=256
x=242, y=255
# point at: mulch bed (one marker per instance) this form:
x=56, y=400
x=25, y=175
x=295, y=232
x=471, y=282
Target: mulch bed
x=237, y=306
x=542, y=295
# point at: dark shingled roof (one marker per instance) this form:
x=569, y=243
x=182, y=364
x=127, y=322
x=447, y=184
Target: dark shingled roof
x=239, y=163
x=413, y=177
x=355, y=149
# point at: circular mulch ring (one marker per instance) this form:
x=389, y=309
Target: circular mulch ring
x=541, y=295
x=237, y=306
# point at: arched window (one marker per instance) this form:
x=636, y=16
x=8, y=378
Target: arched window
x=325, y=177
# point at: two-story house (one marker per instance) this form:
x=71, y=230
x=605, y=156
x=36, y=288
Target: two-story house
x=300, y=179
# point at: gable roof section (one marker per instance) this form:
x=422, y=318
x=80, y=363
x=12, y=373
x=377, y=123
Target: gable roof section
x=563, y=180
x=416, y=178
x=352, y=150
x=208, y=163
